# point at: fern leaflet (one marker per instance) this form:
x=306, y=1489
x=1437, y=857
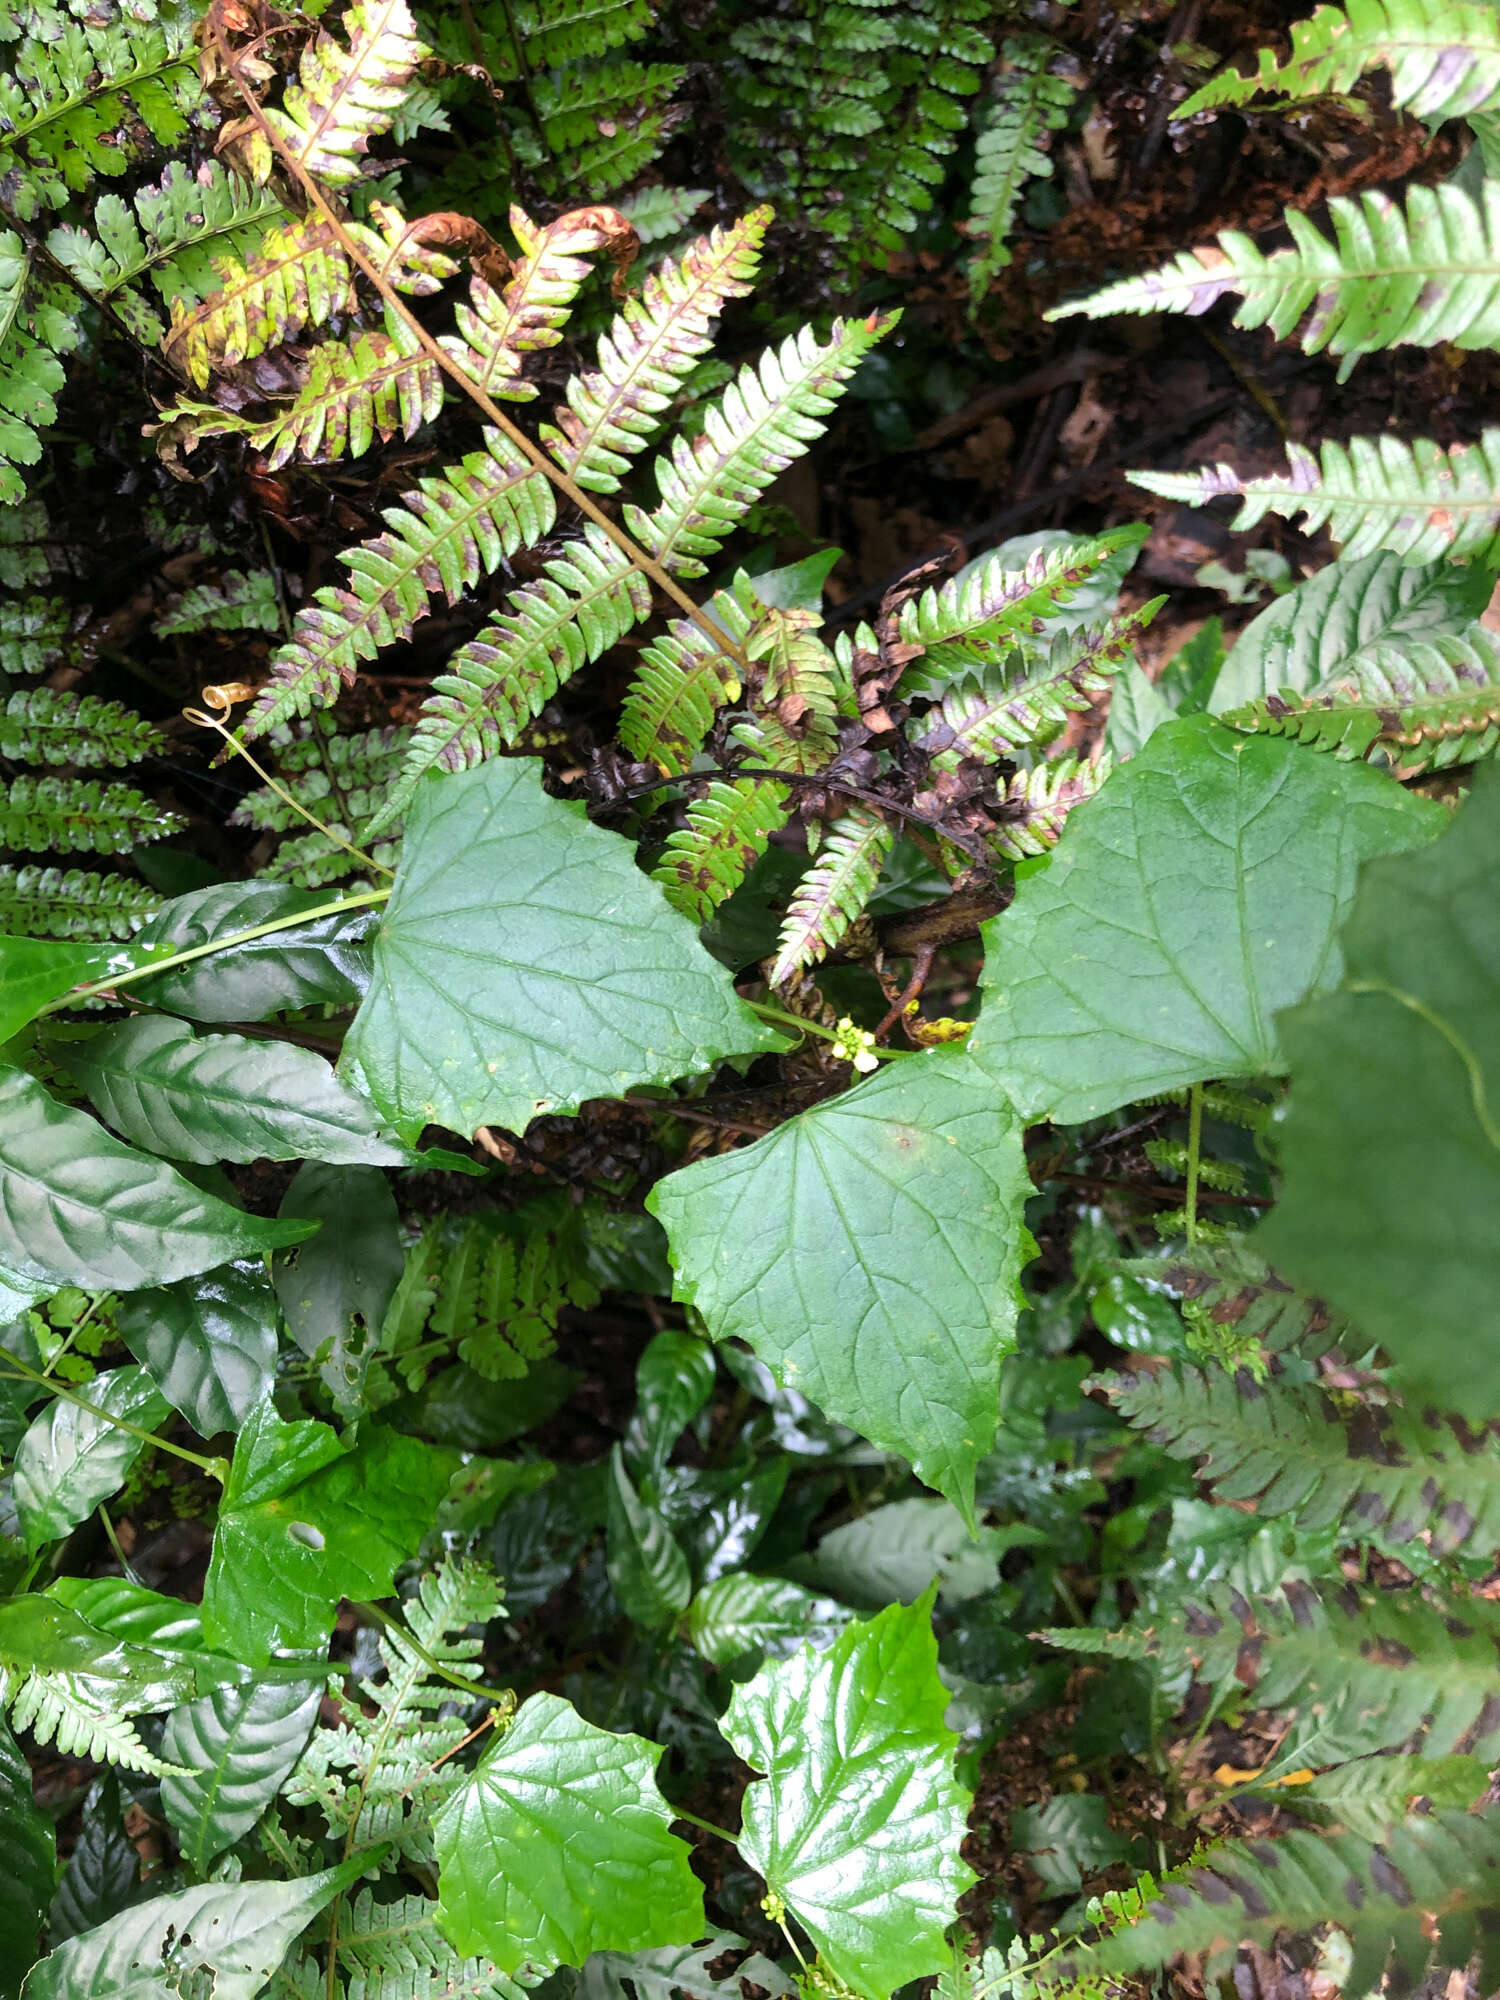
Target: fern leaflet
x=1035, y=804
x=727, y=830
x=80, y=816
x=833, y=892
x=1027, y=699
x=343, y=100
x=72, y=903
x=498, y=328
x=33, y=633
x=1031, y=102
x=683, y=681
x=42, y=726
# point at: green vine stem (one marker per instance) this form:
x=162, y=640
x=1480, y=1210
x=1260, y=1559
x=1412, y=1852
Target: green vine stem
x=1195, y=1148
x=17, y=1371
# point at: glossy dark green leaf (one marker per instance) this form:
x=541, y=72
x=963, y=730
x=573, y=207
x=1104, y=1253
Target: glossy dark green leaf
x=719, y=1513
x=322, y=962
x=28, y=1864
x=557, y=1845
x=679, y=1970
x=239, y=1743
x=35, y=970
x=209, y=1342
x=524, y=963
x=77, y=1207
x=1196, y=894
x=71, y=1458
x=224, y=1097
x=226, y=1938
x=892, y=1553
x=744, y=1614
x=307, y=1518
x=103, y=1875
x=858, y=1820
x=869, y=1251
x=126, y=1610
x=44, y=1635
x=674, y=1378
x=336, y=1288
x=647, y=1569
x=1391, y=1142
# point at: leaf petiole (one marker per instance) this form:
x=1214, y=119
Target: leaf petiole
x=779, y=1017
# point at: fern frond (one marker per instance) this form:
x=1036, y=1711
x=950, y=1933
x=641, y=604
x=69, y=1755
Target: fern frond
x=494, y=685
x=344, y=99
x=241, y=601
x=42, y=726
x=727, y=831
x=72, y=903
x=605, y=123
x=1429, y=1887
x=80, y=816
x=1028, y=699
x=797, y=707
x=768, y=416
x=684, y=680
x=299, y=278
x=377, y=385
x=86, y=1716
x=1236, y=1291
x=1371, y=1795
x=1390, y=277
x=395, y=1951
x=833, y=892
x=1418, y=501
x=499, y=328
x=33, y=634
x=1289, y=1448
x=314, y=861
x=336, y=776
x=1443, y=57
x=1035, y=804
x=1031, y=101
x=24, y=558
x=36, y=327
x=552, y=32
x=449, y=533
x=87, y=102
x=972, y=619
x=1429, y=704
x=655, y=213
x=652, y=346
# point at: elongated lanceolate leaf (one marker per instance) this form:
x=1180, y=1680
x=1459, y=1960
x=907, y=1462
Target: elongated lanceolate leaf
x=557, y=1845
x=673, y=1380
x=34, y=971
x=648, y=1570
x=335, y=1289
x=239, y=1744
x=79, y=1208
x=524, y=964
x=308, y=1518
x=1196, y=894
x=869, y=1252
x=209, y=1342
x=323, y=961
x=858, y=1821
x=28, y=1862
x=226, y=1938
x=1391, y=1144
x=72, y=1458
x=224, y=1097
x=743, y=1614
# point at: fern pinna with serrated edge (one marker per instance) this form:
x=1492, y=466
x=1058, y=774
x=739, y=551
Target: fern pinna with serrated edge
x=727, y=831
x=1290, y=1448
x=72, y=903
x=34, y=631
x=833, y=892
x=395, y=1950
x=654, y=343
x=683, y=681
x=80, y=816
x=37, y=326
x=1418, y=501
x=1234, y=1289
x=1429, y=1886
x=497, y=329
x=1390, y=277
x=1443, y=57
x=1035, y=804
x=1031, y=102
x=240, y=601
x=343, y=99
x=1429, y=704
x=87, y=1715
x=602, y=125
x=43, y=726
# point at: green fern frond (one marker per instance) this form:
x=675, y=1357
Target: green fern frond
x=315, y=862
x=1035, y=804
x=241, y=601
x=552, y=32
x=80, y=816
x=42, y=726
x=1371, y=1795
x=797, y=706
x=768, y=416
x=72, y=903
x=972, y=619
x=1026, y=700
x=1428, y=1888
x=499, y=328
x=339, y=777
x=652, y=346
x=727, y=831
x=1428, y=704
x=1237, y=1292
x=37, y=326
x=395, y=1951
x=86, y=1715
x=380, y=384
x=88, y=102
x=344, y=99
x=833, y=892
x=1031, y=101
x=299, y=278
x=449, y=533
x=603, y=124
x=34, y=634
x=494, y=685
x=682, y=683
x=24, y=557
x=1443, y=57
x=1291, y=1449
x=1391, y=277
x=1417, y=501
x=656, y=213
